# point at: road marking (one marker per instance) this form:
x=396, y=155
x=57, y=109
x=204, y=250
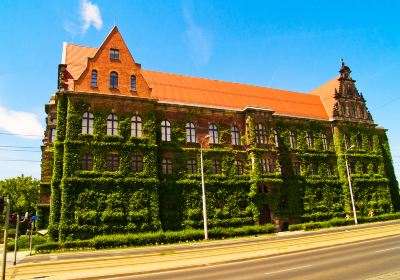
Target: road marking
x=394, y=248
x=289, y=269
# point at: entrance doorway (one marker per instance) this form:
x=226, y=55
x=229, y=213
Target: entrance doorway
x=265, y=215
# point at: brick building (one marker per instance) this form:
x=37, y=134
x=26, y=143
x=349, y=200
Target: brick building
x=121, y=149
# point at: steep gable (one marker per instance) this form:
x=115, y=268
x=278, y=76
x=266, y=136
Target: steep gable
x=125, y=67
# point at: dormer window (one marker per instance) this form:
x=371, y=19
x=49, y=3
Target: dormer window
x=114, y=54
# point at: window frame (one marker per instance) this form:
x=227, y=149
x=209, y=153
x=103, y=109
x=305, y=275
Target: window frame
x=136, y=126
x=113, y=80
x=235, y=136
x=165, y=131
x=136, y=163
x=87, y=162
x=309, y=140
x=191, y=166
x=190, y=133
x=276, y=139
x=216, y=167
x=292, y=140
x=166, y=166
x=261, y=133
x=239, y=167
x=214, y=133
x=112, y=162
x=112, y=120
x=325, y=143
x=114, y=54
x=53, y=133
x=94, y=79
x=133, y=82
x=87, y=123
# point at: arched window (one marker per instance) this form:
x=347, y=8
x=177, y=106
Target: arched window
x=261, y=134
x=352, y=110
x=190, y=133
x=112, y=124
x=165, y=131
x=235, y=135
x=133, y=82
x=87, y=123
x=343, y=109
x=276, y=140
x=309, y=140
x=93, y=81
x=324, y=142
x=113, y=80
x=293, y=140
x=213, y=131
x=136, y=126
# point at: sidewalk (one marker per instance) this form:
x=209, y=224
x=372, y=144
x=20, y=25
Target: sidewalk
x=24, y=258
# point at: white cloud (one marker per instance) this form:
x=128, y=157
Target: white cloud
x=200, y=41
x=24, y=124
x=89, y=14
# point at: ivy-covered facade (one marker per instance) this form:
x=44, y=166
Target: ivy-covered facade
x=119, y=163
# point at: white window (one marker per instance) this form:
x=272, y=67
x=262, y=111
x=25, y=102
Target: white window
x=293, y=140
x=213, y=131
x=324, y=142
x=87, y=123
x=53, y=135
x=309, y=140
x=165, y=131
x=190, y=133
x=261, y=134
x=136, y=126
x=235, y=135
x=266, y=165
x=112, y=124
x=276, y=140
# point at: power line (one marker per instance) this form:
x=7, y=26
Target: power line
x=19, y=147
x=16, y=134
x=20, y=160
x=18, y=150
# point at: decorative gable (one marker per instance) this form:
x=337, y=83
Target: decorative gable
x=112, y=70
x=349, y=103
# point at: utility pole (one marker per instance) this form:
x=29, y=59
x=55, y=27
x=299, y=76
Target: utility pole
x=16, y=240
x=7, y=222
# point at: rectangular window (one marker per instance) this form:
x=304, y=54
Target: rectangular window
x=113, y=162
x=53, y=135
x=314, y=168
x=309, y=140
x=293, y=140
x=296, y=168
x=217, y=167
x=137, y=163
x=166, y=166
x=239, y=167
x=114, y=54
x=191, y=166
x=324, y=142
x=87, y=162
x=266, y=165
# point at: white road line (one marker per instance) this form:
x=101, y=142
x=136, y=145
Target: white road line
x=394, y=248
x=289, y=269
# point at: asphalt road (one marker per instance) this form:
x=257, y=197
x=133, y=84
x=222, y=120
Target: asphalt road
x=373, y=260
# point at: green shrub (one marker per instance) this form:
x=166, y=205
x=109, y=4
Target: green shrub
x=47, y=247
x=23, y=242
x=315, y=225
x=295, y=227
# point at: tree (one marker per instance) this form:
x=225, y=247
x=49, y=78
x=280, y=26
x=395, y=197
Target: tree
x=24, y=193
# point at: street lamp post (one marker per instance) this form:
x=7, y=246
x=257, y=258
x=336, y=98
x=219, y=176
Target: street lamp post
x=351, y=190
x=203, y=189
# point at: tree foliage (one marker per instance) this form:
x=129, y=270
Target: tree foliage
x=23, y=191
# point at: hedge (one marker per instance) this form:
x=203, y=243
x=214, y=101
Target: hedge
x=154, y=238
x=337, y=222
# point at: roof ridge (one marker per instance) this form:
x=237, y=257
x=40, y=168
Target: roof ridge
x=221, y=81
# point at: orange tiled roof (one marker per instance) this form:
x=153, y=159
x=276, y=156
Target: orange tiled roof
x=327, y=92
x=201, y=91
x=76, y=58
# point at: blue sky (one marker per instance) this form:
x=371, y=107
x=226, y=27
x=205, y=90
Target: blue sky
x=293, y=45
